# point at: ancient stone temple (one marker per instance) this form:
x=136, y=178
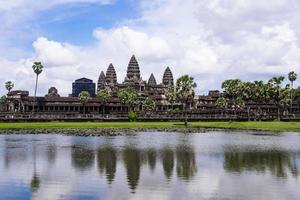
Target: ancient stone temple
x=111, y=76
x=152, y=80
x=19, y=105
x=101, y=81
x=168, y=77
x=133, y=71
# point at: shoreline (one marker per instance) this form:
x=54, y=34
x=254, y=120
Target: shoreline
x=122, y=128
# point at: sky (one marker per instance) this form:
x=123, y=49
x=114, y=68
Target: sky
x=211, y=40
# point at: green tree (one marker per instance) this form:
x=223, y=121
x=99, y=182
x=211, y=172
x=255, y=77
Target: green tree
x=104, y=94
x=84, y=98
x=185, y=86
x=260, y=95
x=2, y=103
x=9, y=85
x=148, y=104
x=170, y=94
x=292, y=77
x=279, y=95
x=128, y=96
x=37, y=69
x=222, y=103
x=232, y=89
x=247, y=95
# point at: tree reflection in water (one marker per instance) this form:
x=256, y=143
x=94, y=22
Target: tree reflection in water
x=51, y=153
x=132, y=162
x=82, y=157
x=186, y=164
x=107, y=161
x=279, y=163
x=151, y=156
x=168, y=162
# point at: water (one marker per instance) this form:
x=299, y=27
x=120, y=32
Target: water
x=213, y=165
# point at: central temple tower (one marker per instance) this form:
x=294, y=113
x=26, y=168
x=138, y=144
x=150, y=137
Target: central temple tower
x=133, y=71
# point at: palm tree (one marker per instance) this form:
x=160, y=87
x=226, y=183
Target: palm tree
x=278, y=94
x=148, y=104
x=247, y=95
x=185, y=86
x=104, y=94
x=170, y=94
x=292, y=77
x=9, y=85
x=232, y=89
x=84, y=98
x=222, y=103
x=128, y=96
x=38, y=69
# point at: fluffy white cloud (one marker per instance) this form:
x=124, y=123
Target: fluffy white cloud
x=211, y=40
x=53, y=53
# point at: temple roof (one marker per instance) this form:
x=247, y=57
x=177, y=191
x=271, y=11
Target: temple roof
x=101, y=80
x=111, y=76
x=168, y=77
x=133, y=70
x=152, y=80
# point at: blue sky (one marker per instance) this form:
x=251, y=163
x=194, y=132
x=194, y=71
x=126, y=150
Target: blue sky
x=212, y=40
x=74, y=23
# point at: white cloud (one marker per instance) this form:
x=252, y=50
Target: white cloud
x=53, y=53
x=211, y=40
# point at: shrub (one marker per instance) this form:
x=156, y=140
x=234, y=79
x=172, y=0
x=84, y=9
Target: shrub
x=132, y=116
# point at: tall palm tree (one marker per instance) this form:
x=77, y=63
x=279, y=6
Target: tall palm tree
x=170, y=94
x=84, y=98
x=292, y=77
x=37, y=69
x=9, y=85
x=278, y=94
x=104, y=94
x=185, y=86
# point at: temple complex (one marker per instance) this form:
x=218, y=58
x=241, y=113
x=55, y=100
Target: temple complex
x=52, y=106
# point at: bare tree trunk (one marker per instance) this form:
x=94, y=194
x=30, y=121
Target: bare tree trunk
x=291, y=109
x=36, y=82
x=278, y=114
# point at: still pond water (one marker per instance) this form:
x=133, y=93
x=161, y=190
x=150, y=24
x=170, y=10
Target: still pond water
x=213, y=165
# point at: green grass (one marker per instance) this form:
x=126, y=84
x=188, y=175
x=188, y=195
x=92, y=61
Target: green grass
x=266, y=126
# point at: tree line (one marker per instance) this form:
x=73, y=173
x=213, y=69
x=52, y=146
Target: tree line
x=238, y=95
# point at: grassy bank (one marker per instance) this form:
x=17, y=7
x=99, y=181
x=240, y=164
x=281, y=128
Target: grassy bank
x=267, y=126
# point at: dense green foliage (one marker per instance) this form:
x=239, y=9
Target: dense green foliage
x=237, y=93
x=148, y=104
x=128, y=96
x=132, y=116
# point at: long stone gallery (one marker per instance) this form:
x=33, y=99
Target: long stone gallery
x=20, y=106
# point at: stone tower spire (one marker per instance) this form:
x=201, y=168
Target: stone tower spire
x=111, y=76
x=152, y=80
x=133, y=70
x=168, y=77
x=101, y=81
